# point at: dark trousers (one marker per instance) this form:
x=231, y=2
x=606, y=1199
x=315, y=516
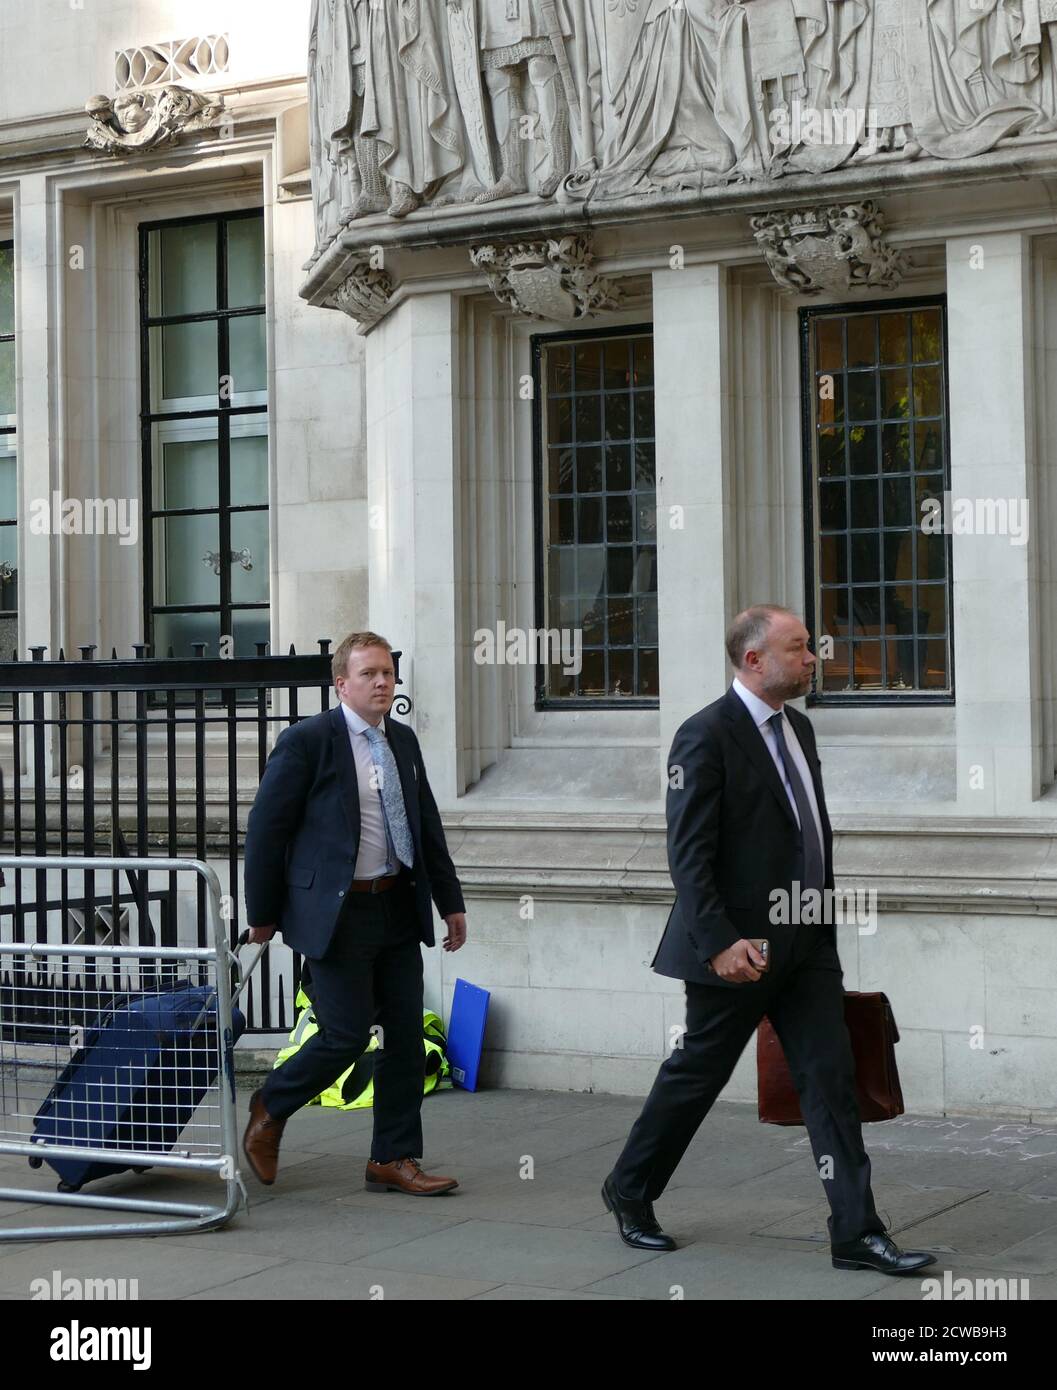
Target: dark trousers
x=371, y=975
x=805, y=1004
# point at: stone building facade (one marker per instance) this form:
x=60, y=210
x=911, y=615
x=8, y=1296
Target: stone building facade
x=604, y=319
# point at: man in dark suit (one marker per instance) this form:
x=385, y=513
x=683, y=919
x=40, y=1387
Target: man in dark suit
x=746, y=817
x=344, y=852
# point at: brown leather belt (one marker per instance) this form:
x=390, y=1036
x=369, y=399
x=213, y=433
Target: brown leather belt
x=374, y=885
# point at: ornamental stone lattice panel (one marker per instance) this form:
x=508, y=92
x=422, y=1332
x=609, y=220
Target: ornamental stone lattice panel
x=172, y=60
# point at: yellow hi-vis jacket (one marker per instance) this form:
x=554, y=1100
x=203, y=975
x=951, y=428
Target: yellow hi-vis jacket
x=354, y=1088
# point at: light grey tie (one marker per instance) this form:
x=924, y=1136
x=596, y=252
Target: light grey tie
x=393, y=808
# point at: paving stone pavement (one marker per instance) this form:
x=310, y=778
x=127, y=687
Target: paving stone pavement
x=527, y=1221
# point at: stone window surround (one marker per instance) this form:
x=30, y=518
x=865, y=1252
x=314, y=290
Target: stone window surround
x=857, y=744
x=595, y=734
x=204, y=428
x=92, y=416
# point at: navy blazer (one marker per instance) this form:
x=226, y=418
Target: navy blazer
x=304, y=833
x=732, y=839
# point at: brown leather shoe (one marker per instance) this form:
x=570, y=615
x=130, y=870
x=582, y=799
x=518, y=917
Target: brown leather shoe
x=260, y=1143
x=404, y=1175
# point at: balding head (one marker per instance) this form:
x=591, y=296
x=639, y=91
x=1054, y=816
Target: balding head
x=768, y=648
x=748, y=632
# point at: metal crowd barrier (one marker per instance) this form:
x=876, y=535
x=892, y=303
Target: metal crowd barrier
x=74, y=1088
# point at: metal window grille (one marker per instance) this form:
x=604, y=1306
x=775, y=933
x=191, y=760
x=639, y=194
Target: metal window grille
x=876, y=444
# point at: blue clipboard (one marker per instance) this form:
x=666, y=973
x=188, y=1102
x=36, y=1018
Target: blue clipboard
x=469, y=1017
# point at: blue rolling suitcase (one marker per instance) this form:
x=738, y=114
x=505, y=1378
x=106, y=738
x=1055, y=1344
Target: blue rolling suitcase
x=135, y=1084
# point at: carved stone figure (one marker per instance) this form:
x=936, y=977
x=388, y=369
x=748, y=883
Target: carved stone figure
x=661, y=73
x=142, y=120
x=889, y=86
x=517, y=36
x=988, y=80
x=791, y=86
x=346, y=181
x=410, y=106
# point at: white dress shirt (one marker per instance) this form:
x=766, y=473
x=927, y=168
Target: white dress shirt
x=761, y=713
x=375, y=857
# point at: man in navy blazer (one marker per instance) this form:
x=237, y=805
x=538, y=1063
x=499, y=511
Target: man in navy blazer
x=345, y=856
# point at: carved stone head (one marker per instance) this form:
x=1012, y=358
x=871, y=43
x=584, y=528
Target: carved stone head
x=130, y=113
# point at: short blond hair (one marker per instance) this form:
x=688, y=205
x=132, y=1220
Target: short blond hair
x=339, y=665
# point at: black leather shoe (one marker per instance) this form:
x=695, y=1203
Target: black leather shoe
x=875, y=1250
x=635, y=1220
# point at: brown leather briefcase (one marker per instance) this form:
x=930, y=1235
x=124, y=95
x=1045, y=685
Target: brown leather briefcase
x=873, y=1032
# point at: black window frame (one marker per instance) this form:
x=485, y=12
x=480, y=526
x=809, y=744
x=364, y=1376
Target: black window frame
x=817, y=698
x=8, y=431
x=538, y=342
x=221, y=316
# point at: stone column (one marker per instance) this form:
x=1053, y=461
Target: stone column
x=996, y=658
x=40, y=622
x=414, y=547
x=694, y=525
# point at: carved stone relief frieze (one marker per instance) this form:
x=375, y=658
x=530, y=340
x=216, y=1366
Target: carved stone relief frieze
x=414, y=104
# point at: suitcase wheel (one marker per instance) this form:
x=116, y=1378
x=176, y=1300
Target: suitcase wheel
x=69, y=1187
x=36, y=1163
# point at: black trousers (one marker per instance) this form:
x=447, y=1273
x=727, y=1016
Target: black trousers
x=372, y=974
x=805, y=1004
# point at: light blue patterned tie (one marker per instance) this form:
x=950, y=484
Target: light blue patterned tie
x=393, y=807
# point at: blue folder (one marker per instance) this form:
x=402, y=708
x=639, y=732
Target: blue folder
x=469, y=1015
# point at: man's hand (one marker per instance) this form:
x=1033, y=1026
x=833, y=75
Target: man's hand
x=738, y=963
x=456, y=931
x=259, y=935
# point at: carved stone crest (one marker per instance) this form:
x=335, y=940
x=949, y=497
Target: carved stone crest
x=553, y=279
x=839, y=248
x=142, y=120
x=364, y=295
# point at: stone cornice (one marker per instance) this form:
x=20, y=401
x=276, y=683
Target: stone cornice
x=1008, y=867
x=58, y=138
x=530, y=217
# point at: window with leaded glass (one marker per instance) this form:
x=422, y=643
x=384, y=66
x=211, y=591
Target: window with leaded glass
x=205, y=433
x=876, y=402
x=596, y=495
x=8, y=458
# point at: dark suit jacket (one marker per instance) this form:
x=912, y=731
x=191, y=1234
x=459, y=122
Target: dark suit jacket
x=304, y=832
x=732, y=839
